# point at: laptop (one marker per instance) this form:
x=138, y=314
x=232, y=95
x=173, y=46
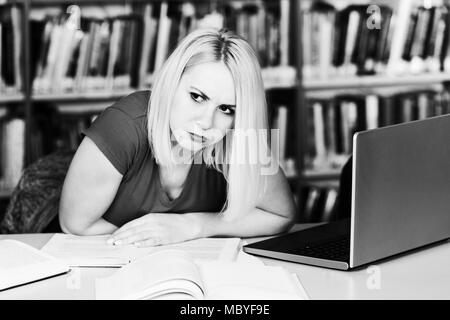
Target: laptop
x=400, y=200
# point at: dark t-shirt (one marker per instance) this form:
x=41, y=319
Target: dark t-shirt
x=120, y=132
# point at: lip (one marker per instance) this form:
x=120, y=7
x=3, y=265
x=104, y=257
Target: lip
x=197, y=138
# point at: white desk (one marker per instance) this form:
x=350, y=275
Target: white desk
x=424, y=274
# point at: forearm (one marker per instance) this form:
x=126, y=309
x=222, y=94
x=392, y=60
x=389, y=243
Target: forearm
x=100, y=226
x=254, y=224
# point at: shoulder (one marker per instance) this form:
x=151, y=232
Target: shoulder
x=120, y=130
x=133, y=105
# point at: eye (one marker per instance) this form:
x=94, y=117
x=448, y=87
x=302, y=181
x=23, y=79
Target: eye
x=196, y=97
x=226, y=110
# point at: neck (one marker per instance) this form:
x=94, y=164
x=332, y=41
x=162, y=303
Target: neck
x=183, y=157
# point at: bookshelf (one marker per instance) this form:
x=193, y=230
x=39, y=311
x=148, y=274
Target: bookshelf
x=320, y=76
x=5, y=193
x=396, y=74
x=367, y=83
x=279, y=75
x=12, y=98
x=82, y=97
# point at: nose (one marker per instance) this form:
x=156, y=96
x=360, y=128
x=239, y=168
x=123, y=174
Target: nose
x=206, y=118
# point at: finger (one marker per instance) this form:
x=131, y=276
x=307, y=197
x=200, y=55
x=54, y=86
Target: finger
x=151, y=242
x=136, y=238
x=132, y=224
x=121, y=238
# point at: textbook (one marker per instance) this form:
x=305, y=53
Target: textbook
x=93, y=251
x=175, y=275
x=21, y=263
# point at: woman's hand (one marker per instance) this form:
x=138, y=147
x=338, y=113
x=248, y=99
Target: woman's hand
x=156, y=229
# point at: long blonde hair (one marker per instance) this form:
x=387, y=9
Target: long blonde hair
x=245, y=182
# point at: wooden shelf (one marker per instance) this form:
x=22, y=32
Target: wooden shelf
x=9, y=98
x=111, y=95
x=325, y=184
x=58, y=2
x=316, y=175
x=5, y=193
x=82, y=96
x=11, y=1
x=368, y=82
x=275, y=86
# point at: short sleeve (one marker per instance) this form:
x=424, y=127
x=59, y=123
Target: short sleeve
x=116, y=135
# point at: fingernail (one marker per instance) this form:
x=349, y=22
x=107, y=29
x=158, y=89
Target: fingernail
x=118, y=242
x=137, y=244
x=110, y=241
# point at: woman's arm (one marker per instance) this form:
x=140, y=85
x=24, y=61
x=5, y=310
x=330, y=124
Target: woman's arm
x=274, y=214
x=89, y=188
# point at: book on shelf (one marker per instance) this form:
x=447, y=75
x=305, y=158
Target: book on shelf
x=173, y=274
x=111, y=51
x=281, y=144
x=3, y=115
x=319, y=203
x=102, y=54
x=333, y=120
x=12, y=151
x=22, y=264
x=399, y=38
x=11, y=52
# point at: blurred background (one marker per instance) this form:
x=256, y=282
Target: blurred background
x=330, y=69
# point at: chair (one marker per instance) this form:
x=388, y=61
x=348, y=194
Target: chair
x=34, y=203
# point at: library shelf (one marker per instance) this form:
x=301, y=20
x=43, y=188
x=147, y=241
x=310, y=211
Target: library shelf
x=76, y=2
x=11, y=98
x=368, y=82
x=100, y=95
x=314, y=175
x=110, y=95
x=3, y=2
x=325, y=184
x=268, y=85
x=5, y=193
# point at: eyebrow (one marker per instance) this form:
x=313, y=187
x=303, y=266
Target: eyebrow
x=204, y=96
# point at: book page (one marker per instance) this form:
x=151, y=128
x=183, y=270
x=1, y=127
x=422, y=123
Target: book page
x=242, y=281
x=15, y=255
x=93, y=251
x=21, y=263
x=167, y=273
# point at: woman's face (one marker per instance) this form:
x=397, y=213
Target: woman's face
x=203, y=106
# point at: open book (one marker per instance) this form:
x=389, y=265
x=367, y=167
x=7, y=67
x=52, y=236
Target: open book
x=20, y=263
x=93, y=251
x=174, y=274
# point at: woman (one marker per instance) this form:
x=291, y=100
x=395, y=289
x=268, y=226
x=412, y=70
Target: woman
x=149, y=158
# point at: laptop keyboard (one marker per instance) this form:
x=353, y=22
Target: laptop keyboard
x=332, y=249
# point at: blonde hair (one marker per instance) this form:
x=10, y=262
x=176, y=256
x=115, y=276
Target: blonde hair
x=245, y=182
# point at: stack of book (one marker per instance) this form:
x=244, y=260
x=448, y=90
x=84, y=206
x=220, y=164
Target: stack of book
x=102, y=54
x=10, y=49
x=108, y=52
x=333, y=120
x=401, y=38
